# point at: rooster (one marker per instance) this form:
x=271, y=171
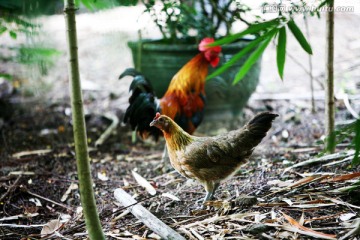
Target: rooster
x=209, y=160
x=183, y=101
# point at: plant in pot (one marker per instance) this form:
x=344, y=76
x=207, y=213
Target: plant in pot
x=182, y=25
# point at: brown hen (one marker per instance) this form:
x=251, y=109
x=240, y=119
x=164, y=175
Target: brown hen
x=209, y=160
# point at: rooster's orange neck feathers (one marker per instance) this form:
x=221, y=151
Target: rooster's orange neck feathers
x=187, y=84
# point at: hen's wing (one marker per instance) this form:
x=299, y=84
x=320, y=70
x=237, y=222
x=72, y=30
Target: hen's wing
x=215, y=158
x=206, y=159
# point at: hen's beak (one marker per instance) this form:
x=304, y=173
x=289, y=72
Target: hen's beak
x=153, y=123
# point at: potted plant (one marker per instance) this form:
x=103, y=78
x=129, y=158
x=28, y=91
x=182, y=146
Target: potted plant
x=183, y=24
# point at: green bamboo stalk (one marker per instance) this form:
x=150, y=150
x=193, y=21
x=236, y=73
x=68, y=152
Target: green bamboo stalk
x=330, y=98
x=92, y=221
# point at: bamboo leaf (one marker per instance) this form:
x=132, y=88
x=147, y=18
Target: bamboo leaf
x=240, y=54
x=13, y=34
x=299, y=36
x=252, y=59
x=255, y=28
x=144, y=183
x=2, y=29
x=309, y=231
x=281, y=51
x=6, y=76
x=326, y=2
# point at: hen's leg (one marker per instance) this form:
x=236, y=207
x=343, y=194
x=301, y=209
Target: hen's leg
x=210, y=188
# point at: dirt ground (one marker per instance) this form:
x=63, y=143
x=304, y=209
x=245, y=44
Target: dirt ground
x=38, y=181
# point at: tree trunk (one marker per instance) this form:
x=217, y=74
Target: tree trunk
x=330, y=99
x=82, y=159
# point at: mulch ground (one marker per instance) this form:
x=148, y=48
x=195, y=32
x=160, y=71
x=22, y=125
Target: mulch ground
x=269, y=198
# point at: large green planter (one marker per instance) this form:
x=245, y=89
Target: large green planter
x=159, y=62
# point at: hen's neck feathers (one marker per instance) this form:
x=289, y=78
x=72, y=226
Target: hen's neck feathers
x=176, y=138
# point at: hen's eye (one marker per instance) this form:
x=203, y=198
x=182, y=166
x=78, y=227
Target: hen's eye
x=161, y=120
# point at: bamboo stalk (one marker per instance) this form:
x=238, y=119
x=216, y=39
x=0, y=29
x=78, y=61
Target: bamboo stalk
x=329, y=89
x=82, y=158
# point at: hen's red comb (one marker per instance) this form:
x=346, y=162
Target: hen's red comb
x=157, y=116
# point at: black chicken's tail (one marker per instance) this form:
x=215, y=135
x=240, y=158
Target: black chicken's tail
x=143, y=105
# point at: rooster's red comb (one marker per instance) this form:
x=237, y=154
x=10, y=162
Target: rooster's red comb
x=203, y=45
x=157, y=116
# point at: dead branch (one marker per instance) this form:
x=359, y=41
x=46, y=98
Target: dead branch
x=10, y=189
x=349, y=108
x=322, y=159
x=49, y=200
x=109, y=130
x=146, y=217
x=353, y=232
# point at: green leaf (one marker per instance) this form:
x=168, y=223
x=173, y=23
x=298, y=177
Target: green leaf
x=281, y=51
x=2, y=29
x=252, y=59
x=299, y=36
x=326, y=2
x=6, y=76
x=240, y=54
x=34, y=55
x=13, y=34
x=105, y=4
x=88, y=4
x=255, y=28
x=356, y=159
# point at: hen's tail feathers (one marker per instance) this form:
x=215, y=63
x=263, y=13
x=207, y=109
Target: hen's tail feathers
x=261, y=123
x=143, y=105
x=258, y=127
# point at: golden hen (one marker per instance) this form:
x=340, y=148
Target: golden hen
x=209, y=160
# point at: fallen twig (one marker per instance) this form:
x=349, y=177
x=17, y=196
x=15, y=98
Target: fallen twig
x=34, y=152
x=187, y=233
x=297, y=230
x=82, y=224
x=48, y=200
x=321, y=159
x=347, y=159
x=10, y=189
x=349, y=108
x=109, y=130
x=191, y=219
x=353, y=232
x=298, y=184
x=21, y=226
x=146, y=217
